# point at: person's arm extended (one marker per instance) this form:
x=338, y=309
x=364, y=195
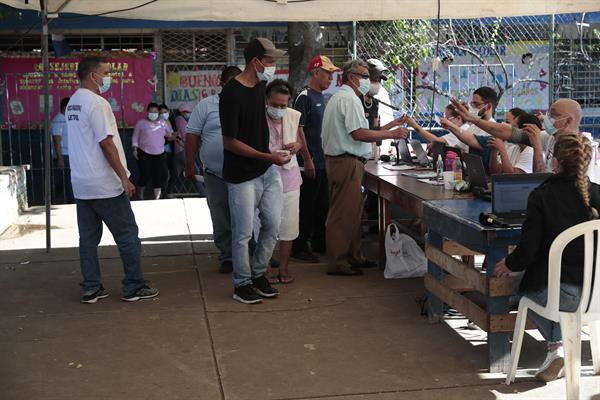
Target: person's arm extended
x=426, y=135
x=466, y=137
x=56, y=140
x=497, y=129
x=505, y=166
x=370, y=136
x=309, y=166
x=112, y=156
x=191, y=147
x=240, y=148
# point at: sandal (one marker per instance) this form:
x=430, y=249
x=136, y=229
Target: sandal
x=273, y=279
x=286, y=279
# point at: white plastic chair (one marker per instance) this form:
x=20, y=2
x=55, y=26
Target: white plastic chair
x=588, y=312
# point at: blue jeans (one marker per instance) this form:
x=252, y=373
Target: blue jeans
x=570, y=295
x=218, y=202
x=116, y=213
x=264, y=193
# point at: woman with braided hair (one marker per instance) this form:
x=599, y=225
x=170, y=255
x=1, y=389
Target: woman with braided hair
x=566, y=199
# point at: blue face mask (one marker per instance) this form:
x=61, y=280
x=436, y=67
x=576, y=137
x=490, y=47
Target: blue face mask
x=549, y=124
x=364, y=86
x=106, y=81
x=267, y=74
x=275, y=113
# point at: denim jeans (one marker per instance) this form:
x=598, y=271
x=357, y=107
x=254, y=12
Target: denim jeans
x=218, y=203
x=264, y=193
x=570, y=295
x=116, y=213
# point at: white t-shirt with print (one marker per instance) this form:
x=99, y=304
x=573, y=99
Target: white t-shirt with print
x=90, y=120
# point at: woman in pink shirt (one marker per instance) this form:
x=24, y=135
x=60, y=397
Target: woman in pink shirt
x=284, y=136
x=148, y=148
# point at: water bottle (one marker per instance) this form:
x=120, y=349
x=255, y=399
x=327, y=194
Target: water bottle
x=457, y=170
x=439, y=168
x=450, y=161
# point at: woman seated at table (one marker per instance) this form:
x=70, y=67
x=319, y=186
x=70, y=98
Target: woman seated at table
x=449, y=139
x=564, y=200
x=511, y=158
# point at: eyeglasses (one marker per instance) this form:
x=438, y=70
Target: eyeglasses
x=364, y=76
x=475, y=104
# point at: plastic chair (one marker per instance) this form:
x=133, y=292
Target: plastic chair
x=588, y=312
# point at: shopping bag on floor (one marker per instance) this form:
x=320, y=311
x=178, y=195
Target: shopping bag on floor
x=404, y=257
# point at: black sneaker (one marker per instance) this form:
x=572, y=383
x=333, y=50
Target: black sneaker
x=246, y=294
x=364, y=264
x=305, y=255
x=264, y=288
x=145, y=292
x=226, y=267
x=94, y=297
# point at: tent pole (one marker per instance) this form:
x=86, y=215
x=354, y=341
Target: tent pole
x=47, y=138
x=354, y=53
x=552, y=69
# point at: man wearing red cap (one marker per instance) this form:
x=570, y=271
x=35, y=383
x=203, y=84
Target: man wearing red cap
x=314, y=194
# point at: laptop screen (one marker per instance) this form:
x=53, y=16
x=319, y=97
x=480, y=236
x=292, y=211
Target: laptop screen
x=404, y=152
x=510, y=192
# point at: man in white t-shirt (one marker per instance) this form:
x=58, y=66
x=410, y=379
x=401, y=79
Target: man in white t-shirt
x=101, y=184
x=482, y=106
x=563, y=116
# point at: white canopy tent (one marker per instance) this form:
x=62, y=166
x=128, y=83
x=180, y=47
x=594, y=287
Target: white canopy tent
x=307, y=10
x=277, y=10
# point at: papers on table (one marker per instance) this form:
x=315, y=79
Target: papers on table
x=432, y=182
x=392, y=167
x=421, y=174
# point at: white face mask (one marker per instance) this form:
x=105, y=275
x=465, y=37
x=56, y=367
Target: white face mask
x=267, y=74
x=364, y=85
x=275, y=113
x=474, y=111
x=152, y=116
x=375, y=88
x=164, y=116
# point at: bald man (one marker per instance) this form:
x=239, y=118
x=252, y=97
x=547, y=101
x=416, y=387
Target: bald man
x=563, y=116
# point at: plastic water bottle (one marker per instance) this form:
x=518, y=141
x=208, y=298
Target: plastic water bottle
x=439, y=168
x=457, y=170
x=450, y=161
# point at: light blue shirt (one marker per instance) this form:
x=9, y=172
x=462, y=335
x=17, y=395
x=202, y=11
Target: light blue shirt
x=205, y=122
x=343, y=115
x=59, y=128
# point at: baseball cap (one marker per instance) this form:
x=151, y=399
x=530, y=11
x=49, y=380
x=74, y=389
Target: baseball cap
x=185, y=108
x=321, y=62
x=377, y=70
x=261, y=47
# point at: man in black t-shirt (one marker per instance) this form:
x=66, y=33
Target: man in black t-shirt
x=253, y=182
x=314, y=192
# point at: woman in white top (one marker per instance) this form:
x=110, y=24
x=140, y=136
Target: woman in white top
x=511, y=158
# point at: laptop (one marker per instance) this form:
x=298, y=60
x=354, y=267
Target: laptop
x=404, y=152
x=476, y=176
x=421, y=155
x=510, y=193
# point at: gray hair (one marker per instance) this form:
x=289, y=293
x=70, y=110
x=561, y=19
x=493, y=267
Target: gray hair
x=352, y=66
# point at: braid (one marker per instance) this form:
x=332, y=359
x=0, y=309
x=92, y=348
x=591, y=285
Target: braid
x=574, y=153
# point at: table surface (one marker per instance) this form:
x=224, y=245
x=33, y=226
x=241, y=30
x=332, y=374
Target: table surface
x=422, y=190
x=376, y=168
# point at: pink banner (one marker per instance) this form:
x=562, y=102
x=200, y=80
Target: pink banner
x=21, y=82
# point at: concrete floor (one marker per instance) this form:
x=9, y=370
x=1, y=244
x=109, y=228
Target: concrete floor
x=331, y=338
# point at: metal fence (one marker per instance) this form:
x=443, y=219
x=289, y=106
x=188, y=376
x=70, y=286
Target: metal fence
x=530, y=61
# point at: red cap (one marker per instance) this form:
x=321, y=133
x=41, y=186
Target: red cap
x=323, y=63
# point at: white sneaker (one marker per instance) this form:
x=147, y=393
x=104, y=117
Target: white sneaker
x=552, y=367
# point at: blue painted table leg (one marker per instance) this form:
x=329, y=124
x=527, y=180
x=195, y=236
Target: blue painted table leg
x=499, y=342
x=435, y=307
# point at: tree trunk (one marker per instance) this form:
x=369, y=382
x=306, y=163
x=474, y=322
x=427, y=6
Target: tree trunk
x=305, y=41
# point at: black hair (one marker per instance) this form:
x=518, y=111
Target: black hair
x=488, y=95
x=280, y=86
x=63, y=103
x=228, y=73
x=528, y=118
x=164, y=106
x=254, y=49
x=517, y=112
x=151, y=105
x=89, y=65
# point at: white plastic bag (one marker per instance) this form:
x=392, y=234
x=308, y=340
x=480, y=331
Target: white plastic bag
x=404, y=257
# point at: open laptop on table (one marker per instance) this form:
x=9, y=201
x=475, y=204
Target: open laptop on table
x=510, y=193
x=477, y=178
x=405, y=161
x=420, y=154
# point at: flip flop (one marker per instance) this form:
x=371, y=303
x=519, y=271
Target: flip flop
x=285, y=279
x=346, y=272
x=273, y=280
